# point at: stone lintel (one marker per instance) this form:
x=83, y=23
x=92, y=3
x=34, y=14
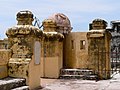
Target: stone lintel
x=96, y=33
x=53, y=36
x=20, y=60
x=23, y=30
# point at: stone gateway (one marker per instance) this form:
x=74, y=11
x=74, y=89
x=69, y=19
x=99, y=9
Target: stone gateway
x=54, y=52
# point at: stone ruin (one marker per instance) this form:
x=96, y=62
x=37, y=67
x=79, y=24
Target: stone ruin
x=55, y=51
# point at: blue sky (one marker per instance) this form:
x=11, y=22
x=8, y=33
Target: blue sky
x=80, y=12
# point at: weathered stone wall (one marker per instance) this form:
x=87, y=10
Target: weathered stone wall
x=99, y=52
x=19, y=67
x=5, y=55
x=25, y=45
x=4, y=44
x=52, y=49
x=99, y=48
x=52, y=58
x=76, y=55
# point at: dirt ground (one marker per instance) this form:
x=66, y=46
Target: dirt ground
x=77, y=84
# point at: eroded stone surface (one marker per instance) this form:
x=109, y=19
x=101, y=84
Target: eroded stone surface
x=5, y=55
x=98, y=49
x=21, y=36
x=10, y=83
x=58, y=21
x=18, y=67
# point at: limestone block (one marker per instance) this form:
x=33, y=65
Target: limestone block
x=4, y=56
x=51, y=67
x=18, y=67
x=3, y=71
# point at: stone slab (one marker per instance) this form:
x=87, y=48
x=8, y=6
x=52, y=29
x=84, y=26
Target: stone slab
x=37, y=50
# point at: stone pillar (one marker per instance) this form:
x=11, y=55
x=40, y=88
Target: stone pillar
x=99, y=49
x=25, y=43
x=53, y=50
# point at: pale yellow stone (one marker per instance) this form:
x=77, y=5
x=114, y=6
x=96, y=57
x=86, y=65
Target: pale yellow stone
x=75, y=57
x=5, y=54
x=3, y=71
x=99, y=52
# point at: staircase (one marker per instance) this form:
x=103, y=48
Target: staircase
x=13, y=84
x=78, y=74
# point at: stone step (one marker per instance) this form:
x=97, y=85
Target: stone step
x=77, y=74
x=21, y=88
x=11, y=83
x=91, y=77
x=71, y=76
x=88, y=77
